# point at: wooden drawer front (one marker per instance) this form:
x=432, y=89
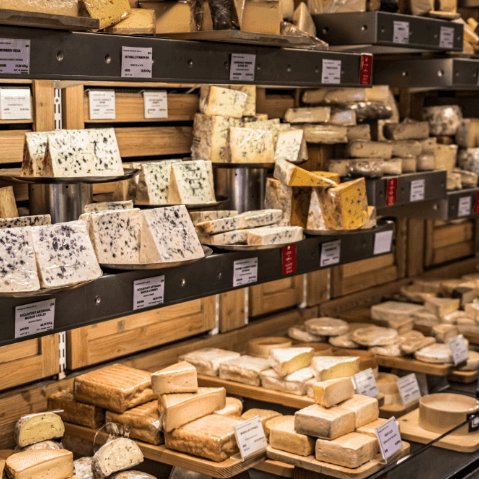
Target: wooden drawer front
x=29, y=361
x=268, y=101
x=232, y=310
x=12, y=145
x=120, y=337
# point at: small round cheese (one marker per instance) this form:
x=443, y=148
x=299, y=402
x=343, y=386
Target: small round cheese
x=472, y=362
x=436, y=353
x=326, y=326
x=391, y=351
x=343, y=341
x=260, y=347
x=299, y=333
x=375, y=336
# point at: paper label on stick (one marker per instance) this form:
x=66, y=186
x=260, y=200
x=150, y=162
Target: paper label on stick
x=102, y=105
x=409, y=389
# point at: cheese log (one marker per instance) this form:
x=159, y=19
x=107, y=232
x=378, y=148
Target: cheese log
x=245, y=369
x=319, y=114
x=359, y=132
x=303, y=20
x=467, y=135
x=40, y=464
x=409, y=165
x=294, y=383
x=154, y=183
x=76, y=412
x=326, y=326
x=279, y=196
x=289, y=145
x=37, y=428
x=284, y=437
x=270, y=235
x=176, y=410
x=107, y=206
x=407, y=130
x=207, y=360
x=141, y=422
x=271, y=423
x=202, y=216
x=8, y=205
x=260, y=347
x=139, y=21
x=326, y=134
x=115, y=387
x=436, y=353
x=406, y=148
x=445, y=156
x=443, y=120
x=220, y=101
x=324, y=423
x=299, y=333
x=365, y=409
x=287, y=361
x=342, y=95
x=333, y=367
x=369, y=149
x=249, y=145
x=55, y=7
x=292, y=175
x=264, y=414
x=106, y=154
x=178, y=378
x=332, y=392
x=211, y=437
x=234, y=407
x=115, y=456
x=190, y=183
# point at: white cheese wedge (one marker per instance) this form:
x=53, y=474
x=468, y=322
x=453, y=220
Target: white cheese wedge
x=444, y=332
x=288, y=146
x=284, y=437
x=333, y=367
x=24, y=221
x=365, y=409
x=299, y=333
x=218, y=101
x=106, y=154
x=249, y=145
x=274, y=235
x=324, y=423
x=207, y=360
x=37, y=428
x=326, y=326
x=234, y=407
x=255, y=219
x=332, y=392
x=442, y=306
x=319, y=114
x=294, y=383
x=288, y=360
x=108, y=206
x=245, y=369
x=202, y=216
x=178, y=378
x=114, y=456
x=369, y=149
x=40, y=464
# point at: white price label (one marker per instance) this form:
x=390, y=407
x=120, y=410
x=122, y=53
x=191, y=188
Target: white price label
x=389, y=438
x=365, y=383
x=34, y=318
x=148, y=292
x=156, y=104
x=458, y=347
x=245, y=271
x=102, y=105
x=401, y=32
x=15, y=104
x=331, y=72
x=418, y=190
x=250, y=437
x=446, y=38
x=242, y=67
x=465, y=206
x=383, y=242
x=14, y=56
x=330, y=253
x=136, y=62
x=409, y=389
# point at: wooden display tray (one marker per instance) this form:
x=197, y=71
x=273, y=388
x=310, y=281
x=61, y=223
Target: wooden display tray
x=411, y=431
x=221, y=470
x=311, y=464
x=396, y=410
x=465, y=377
x=276, y=468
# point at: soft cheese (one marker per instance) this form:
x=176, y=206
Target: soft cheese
x=208, y=360
x=37, y=428
x=326, y=326
x=288, y=360
x=234, y=407
x=114, y=456
x=333, y=367
x=178, y=378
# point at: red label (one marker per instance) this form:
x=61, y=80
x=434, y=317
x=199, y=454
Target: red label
x=288, y=254
x=476, y=206
x=391, y=191
x=366, y=69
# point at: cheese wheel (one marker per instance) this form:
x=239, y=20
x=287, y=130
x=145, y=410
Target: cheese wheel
x=387, y=383
x=375, y=336
x=299, y=333
x=326, y=326
x=391, y=351
x=260, y=347
x=472, y=362
x=436, y=353
x=343, y=341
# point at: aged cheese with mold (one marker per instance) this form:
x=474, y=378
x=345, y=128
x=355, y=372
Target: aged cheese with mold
x=342, y=95
x=248, y=145
x=407, y=130
x=273, y=235
x=369, y=149
x=191, y=183
x=202, y=216
x=443, y=120
x=106, y=154
x=219, y=101
x=327, y=134
x=154, y=183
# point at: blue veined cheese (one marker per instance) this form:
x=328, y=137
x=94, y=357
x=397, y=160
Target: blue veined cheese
x=116, y=236
x=34, y=152
x=64, y=254
x=254, y=219
x=202, y=216
x=191, y=183
x=106, y=154
x=126, y=190
x=274, y=235
x=279, y=196
x=318, y=114
x=167, y=235
x=274, y=126
x=289, y=145
x=221, y=225
x=18, y=270
x=108, y=206
x=24, y=221
x=154, y=183
x=249, y=145
x=230, y=237
x=69, y=154
x=315, y=214
x=250, y=90
x=221, y=101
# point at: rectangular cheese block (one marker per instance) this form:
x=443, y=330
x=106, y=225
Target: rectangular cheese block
x=369, y=149
x=221, y=225
x=245, y=369
x=228, y=238
x=211, y=437
x=359, y=132
x=264, y=414
x=365, y=409
x=219, y=101
x=288, y=360
x=339, y=167
x=126, y=190
x=406, y=148
x=37, y=428
x=279, y=196
x=370, y=429
x=140, y=21
x=318, y=114
x=178, y=378
x=441, y=307
x=176, y=410
x=40, y=464
x=292, y=175
x=269, y=235
x=468, y=178
x=343, y=95
x=207, y=360
x=202, y=216
x=108, y=13
x=52, y=7
x=106, y=153
x=351, y=451
x=467, y=135
x=333, y=367
x=391, y=167
x=172, y=17
x=153, y=183
x=445, y=157
x=167, y=235
x=108, y=206
x=391, y=310
x=289, y=145
x=114, y=456
x=429, y=146
x=141, y=422
x=408, y=165
x=426, y=162
x=115, y=387
x=34, y=151
x=284, y=437
x=407, y=130
x=234, y=407
x=294, y=383
x=343, y=117
x=249, y=145
x=324, y=423
x=332, y=392
x=76, y=412
x=325, y=134
x=369, y=168
x=262, y=17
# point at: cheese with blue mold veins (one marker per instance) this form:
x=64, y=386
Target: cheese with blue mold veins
x=248, y=145
x=289, y=360
x=221, y=101
x=289, y=145
x=254, y=219
x=202, y=216
x=221, y=225
x=34, y=152
x=268, y=235
x=154, y=183
x=292, y=175
x=108, y=206
x=106, y=154
x=230, y=237
x=294, y=383
x=24, y=221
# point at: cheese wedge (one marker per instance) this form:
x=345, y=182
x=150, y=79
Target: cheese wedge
x=290, y=360
x=40, y=464
x=178, y=378
x=207, y=360
x=292, y=175
x=294, y=383
x=37, y=428
x=333, y=367
x=332, y=392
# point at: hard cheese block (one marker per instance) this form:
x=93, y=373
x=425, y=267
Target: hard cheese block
x=234, y=407
x=106, y=154
x=333, y=367
x=51, y=445
x=207, y=360
x=319, y=114
x=294, y=383
x=264, y=414
x=115, y=456
x=172, y=17
x=37, y=428
x=327, y=134
x=108, y=13
x=284, y=437
x=369, y=149
x=359, y=132
x=220, y=101
x=107, y=206
x=140, y=21
x=154, y=183
x=407, y=130
x=441, y=307
x=467, y=135
x=191, y=183
x=245, y=369
x=288, y=360
x=406, y=148
x=365, y=409
x=392, y=310
x=324, y=423
x=273, y=422
x=332, y=392
x=269, y=235
x=53, y=7
x=248, y=145
x=342, y=95
x=262, y=17
x=40, y=464
x=446, y=157
x=178, y=378
x=292, y=175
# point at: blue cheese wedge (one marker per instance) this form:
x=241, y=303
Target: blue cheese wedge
x=18, y=270
x=106, y=154
x=289, y=145
x=316, y=219
x=108, y=206
x=230, y=237
x=274, y=235
x=64, y=254
x=250, y=145
x=24, y=221
x=279, y=196
x=154, y=183
x=221, y=225
x=219, y=101
x=34, y=152
x=167, y=235
x=191, y=183
x=254, y=219
x=202, y=216
x=116, y=236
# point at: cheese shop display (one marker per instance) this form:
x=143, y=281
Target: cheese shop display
x=115, y=456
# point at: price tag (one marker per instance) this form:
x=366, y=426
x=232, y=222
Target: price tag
x=136, y=62
x=34, y=318
x=446, y=38
x=14, y=56
x=365, y=383
x=401, y=32
x=459, y=350
x=288, y=259
x=102, y=105
x=418, y=189
x=330, y=253
x=366, y=69
x=250, y=437
x=473, y=421
x=391, y=191
x=383, y=242
x=245, y=271
x=15, y=103
x=242, y=67
x=331, y=72
x=465, y=206
x=148, y=292
x=156, y=104
x=476, y=204
x=389, y=438
x=409, y=389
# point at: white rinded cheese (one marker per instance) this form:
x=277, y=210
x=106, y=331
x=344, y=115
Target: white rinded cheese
x=288, y=146
x=234, y=407
x=343, y=341
x=245, y=369
x=106, y=154
x=207, y=360
x=191, y=183
x=391, y=351
x=436, y=353
x=288, y=360
x=37, y=428
x=407, y=130
x=40, y=464
x=333, y=391
x=375, y=336
x=294, y=383
x=369, y=149
x=394, y=310
x=406, y=148
x=249, y=145
x=228, y=238
x=34, y=153
x=154, y=183
x=326, y=326
x=269, y=235
x=443, y=120
x=114, y=456
x=178, y=378
x=202, y=216
x=218, y=101
x=333, y=367
x=327, y=134
x=108, y=206
x=318, y=114
x=299, y=333
x=365, y=408
x=24, y=221
x=284, y=437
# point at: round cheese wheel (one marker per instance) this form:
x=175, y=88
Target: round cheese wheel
x=454, y=317
x=234, y=407
x=411, y=335
x=391, y=351
x=299, y=333
x=442, y=332
x=375, y=336
x=410, y=346
x=472, y=362
x=343, y=341
x=326, y=326
x=260, y=347
x=436, y=353
x=387, y=383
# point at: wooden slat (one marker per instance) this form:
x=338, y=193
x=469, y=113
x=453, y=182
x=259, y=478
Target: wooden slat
x=274, y=105
x=44, y=101
x=12, y=145
x=415, y=247
x=232, y=310
x=450, y=235
x=451, y=252
x=318, y=287
x=72, y=108
x=367, y=265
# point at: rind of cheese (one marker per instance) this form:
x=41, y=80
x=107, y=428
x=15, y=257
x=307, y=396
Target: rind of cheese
x=333, y=367
x=326, y=134
x=407, y=130
x=37, y=428
x=375, y=336
x=55, y=7
x=269, y=235
x=442, y=306
x=264, y=414
x=409, y=165
x=248, y=145
x=468, y=178
x=444, y=332
x=290, y=360
x=332, y=392
x=294, y=383
x=303, y=20
x=436, y=353
x=255, y=219
x=387, y=383
x=279, y=196
x=369, y=149
x=343, y=341
x=365, y=409
x=284, y=437
x=324, y=423
x=299, y=333
x=40, y=464
x=107, y=206
x=191, y=183
x=326, y=326
x=292, y=175
x=234, y=407
x=106, y=153
x=472, y=362
x=342, y=95
x=8, y=205
x=115, y=456
x=154, y=183
x=108, y=13
x=218, y=101
x=140, y=21
x=406, y=148
x=203, y=216
x=178, y=378
x=319, y=114
x=245, y=369
x=443, y=120
x=208, y=360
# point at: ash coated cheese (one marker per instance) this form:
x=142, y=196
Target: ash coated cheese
x=436, y=353
x=284, y=437
x=326, y=326
x=319, y=114
x=369, y=149
x=407, y=130
x=37, y=428
x=154, y=183
x=325, y=134
x=292, y=175
x=406, y=148
x=245, y=369
x=106, y=154
x=269, y=235
x=108, y=13
x=279, y=196
x=359, y=132
x=178, y=378
x=394, y=310
x=207, y=360
x=234, y=407
x=294, y=383
x=190, y=183
x=248, y=145
x=176, y=410
x=332, y=392
x=443, y=120
x=230, y=237
x=40, y=464
x=442, y=306
x=288, y=146
x=375, y=336
x=218, y=101
x=445, y=156
x=299, y=333
x=34, y=151
x=365, y=409
x=107, y=206
x=203, y=216
x=333, y=367
x=467, y=135
x=288, y=360
x=115, y=456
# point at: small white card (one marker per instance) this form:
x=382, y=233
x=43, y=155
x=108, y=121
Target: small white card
x=245, y=271
x=389, y=438
x=418, y=190
x=365, y=383
x=401, y=32
x=14, y=56
x=102, y=105
x=330, y=253
x=148, y=292
x=331, y=72
x=34, y=318
x=156, y=104
x=459, y=350
x=250, y=437
x=409, y=389
x=15, y=104
x=446, y=38
x=242, y=67
x=465, y=206
x=383, y=242
x=136, y=62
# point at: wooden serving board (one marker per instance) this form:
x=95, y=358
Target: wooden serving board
x=465, y=377
x=410, y=364
x=411, y=431
x=221, y=470
x=276, y=468
x=396, y=410
x=311, y=464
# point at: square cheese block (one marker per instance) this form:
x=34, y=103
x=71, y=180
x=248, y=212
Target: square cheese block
x=140, y=21
x=64, y=254
x=333, y=367
x=34, y=151
x=273, y=422
x=468, y=178
x=171, y=17
x=446, y=157
x=292, y=175
x=40, y=464
x=269, y=235
x=303, y=20
x=324, y=423
x=176, y=410
x=262, y=17
x=230, y=237
x=37, y=428
x=115, y=387
x=352, y=450
x=191, y=183
x=441, y=307
x=219, y=101
x=211, y=437
x=365, y=409
x=248, y=145
x=178, y=378
x=264, y=414
x=54, y=7
x=279, y=196
x=106, y=154
x=108, y=206
x=369, y=149
x=294, y=383
x=325, y=134
x=332, y=392
x=245, y=369
x=108, y=13
x=202, y=216
x=76, y=412
x=167, y=235
x=407, y=130
x=406, y=148
x=284, y=437
x=154, y=183
x=289, y=145
x=207, y=360
x=234, y=407
x=115, y=456
x=318, y=114
x=289, y=360
x=141, y=422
